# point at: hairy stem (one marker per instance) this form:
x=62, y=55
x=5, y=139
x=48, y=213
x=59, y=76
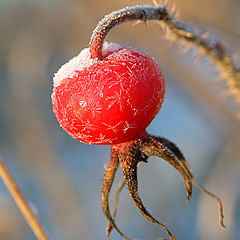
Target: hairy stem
x=177, y=31
x=21, y=202
x=207, y=46
x=151, y=146
x=123, y=15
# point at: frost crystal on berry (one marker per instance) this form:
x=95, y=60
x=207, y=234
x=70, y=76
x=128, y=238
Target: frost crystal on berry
x=118, y=95
x=80, y=62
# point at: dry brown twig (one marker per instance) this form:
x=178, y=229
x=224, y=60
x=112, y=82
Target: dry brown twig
x=21, y=202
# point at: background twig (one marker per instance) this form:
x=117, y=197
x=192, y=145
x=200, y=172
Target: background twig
x=21, y=202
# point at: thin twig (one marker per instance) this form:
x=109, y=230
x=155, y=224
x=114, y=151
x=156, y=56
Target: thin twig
x=207, y=46
x=117, y=193
x=216, y=198
x=21, y=202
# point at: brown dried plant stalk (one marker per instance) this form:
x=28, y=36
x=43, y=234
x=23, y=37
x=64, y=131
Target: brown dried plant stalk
x=21, y=202
x=193, y=36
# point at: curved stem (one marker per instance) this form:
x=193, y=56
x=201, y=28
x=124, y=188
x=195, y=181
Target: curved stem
x=151, y=146
x=176, y=151
x=123, y=15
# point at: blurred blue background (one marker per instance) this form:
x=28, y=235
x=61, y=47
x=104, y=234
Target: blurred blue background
x=61, y=178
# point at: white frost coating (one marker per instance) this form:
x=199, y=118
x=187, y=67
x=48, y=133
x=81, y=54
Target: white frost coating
x=80, y=62
x=110, y=47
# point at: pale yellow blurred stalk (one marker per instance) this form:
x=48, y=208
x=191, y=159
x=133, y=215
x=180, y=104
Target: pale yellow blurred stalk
x=21, y=202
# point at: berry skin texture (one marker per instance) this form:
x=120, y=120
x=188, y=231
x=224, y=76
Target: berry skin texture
x=108, y=101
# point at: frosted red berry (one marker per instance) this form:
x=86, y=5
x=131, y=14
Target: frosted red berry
x=109, y=94
x=111, y=100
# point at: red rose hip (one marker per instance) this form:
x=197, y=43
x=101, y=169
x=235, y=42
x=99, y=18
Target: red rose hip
x=108, y=101
x=109, y=94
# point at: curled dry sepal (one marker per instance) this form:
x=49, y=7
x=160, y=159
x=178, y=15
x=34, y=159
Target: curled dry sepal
x=109, y=94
